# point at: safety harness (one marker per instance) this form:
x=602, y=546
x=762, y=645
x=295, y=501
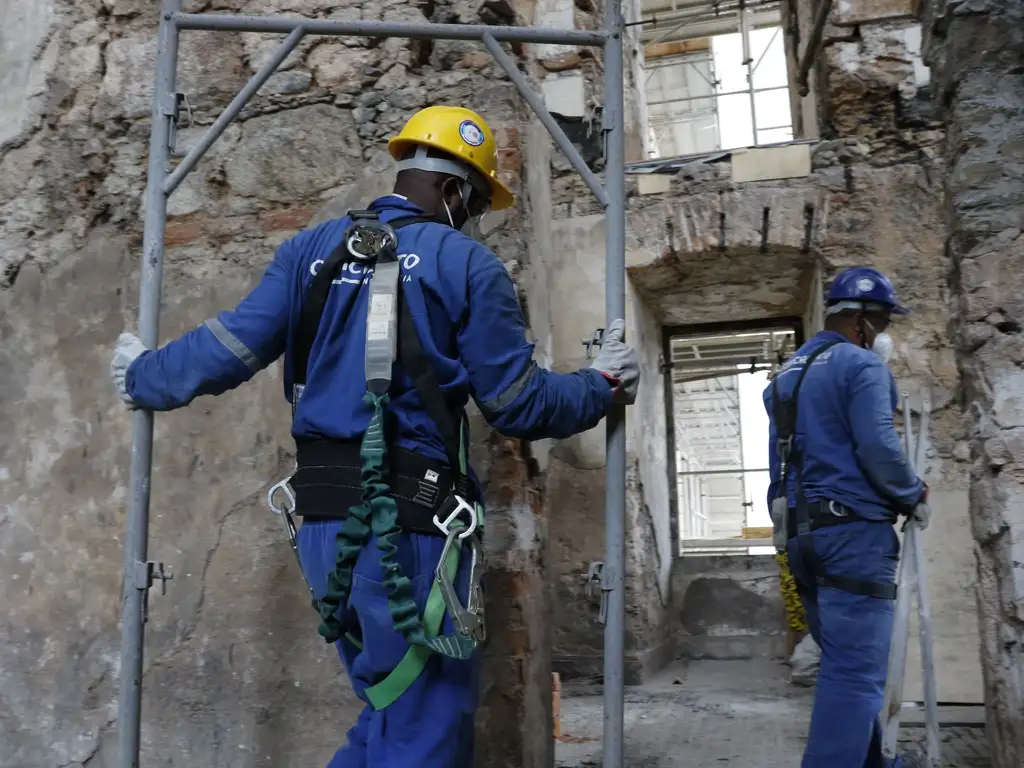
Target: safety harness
x=390, y=335
x=810, y=516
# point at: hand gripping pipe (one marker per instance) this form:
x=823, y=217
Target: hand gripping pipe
x=161, y=183
x=136, y=541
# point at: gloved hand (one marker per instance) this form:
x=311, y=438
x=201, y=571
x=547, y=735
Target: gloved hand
x=619, y=364
x=922, y=514
x=128, y=348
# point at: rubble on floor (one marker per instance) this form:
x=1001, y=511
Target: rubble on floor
x=699, y=714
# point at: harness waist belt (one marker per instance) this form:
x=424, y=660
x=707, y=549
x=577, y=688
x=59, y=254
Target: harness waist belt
x=824, y=513
x=328, y=482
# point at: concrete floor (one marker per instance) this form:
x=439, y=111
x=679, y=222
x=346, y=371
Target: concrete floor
x=697, y=714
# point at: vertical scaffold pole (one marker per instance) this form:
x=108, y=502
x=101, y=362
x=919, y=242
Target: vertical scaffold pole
x=136, y=573
x=615, y=471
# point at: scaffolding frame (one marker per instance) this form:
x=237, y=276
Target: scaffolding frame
x=139, y=572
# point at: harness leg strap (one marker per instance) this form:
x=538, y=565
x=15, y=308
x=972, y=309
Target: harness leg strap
x=387, y=691
x=877, y=589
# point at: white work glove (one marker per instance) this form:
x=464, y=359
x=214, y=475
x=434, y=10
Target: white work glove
x=619, y=364
x=922, y=514
x=129, y=347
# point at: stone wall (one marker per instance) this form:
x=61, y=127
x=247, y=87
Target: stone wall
x=235, y=673
x=975, y=50
x=699, y=251
x=728, y=607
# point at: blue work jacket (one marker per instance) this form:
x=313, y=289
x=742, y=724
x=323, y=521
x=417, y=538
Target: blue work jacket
x=463, y=304
x=851, y=451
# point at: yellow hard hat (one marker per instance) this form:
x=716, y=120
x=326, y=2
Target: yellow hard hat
x=461, y=133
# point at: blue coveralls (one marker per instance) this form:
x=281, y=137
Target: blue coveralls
x=852, y=455
x=472, y=330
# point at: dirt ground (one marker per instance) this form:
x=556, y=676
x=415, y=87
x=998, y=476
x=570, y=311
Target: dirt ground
x=742, y=714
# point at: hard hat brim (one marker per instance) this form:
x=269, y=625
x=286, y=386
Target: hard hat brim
x=501, y=196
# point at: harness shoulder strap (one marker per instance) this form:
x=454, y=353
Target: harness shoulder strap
x=785, y=410
x=315, y=300
x=449, y=423
x=411, y=357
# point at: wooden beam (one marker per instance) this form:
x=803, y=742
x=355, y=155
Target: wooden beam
x=676, y=48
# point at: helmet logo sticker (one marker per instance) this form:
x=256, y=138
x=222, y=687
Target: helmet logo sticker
x=865, y=284
x=471, y=133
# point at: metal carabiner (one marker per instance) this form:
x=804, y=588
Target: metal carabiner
x=468, y=619
x=461, y=505
x=285, y=512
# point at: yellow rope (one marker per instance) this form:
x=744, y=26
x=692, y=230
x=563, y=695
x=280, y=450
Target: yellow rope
x=796, y=619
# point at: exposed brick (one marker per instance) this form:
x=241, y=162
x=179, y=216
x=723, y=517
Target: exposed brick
x=180, y=232
x=291, y=218
x=562, y=63
x=507, y=137
x=510, y=160
x=510, y=179
x=474, y=60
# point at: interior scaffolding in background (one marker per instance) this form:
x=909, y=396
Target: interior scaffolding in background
x=716, y=76
x=721, y=436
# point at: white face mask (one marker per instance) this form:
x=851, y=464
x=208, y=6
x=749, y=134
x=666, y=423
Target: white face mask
x=471, y=227
x=882, y=345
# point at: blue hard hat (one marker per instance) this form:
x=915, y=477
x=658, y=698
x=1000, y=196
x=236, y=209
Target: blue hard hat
x=864, y=285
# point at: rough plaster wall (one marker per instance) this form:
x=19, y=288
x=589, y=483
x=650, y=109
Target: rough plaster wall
x=975, y=50
x=650, y=552
x=814, y=314
x=728, y=607
x=700, y=253
x=236, y=675
x=575, y=481
x=646, y=430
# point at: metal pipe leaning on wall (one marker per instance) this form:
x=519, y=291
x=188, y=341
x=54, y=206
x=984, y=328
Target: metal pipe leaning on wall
x=139, y=572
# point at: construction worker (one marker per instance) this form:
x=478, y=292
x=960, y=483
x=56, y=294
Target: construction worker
x=431, y=318
x=839, y=481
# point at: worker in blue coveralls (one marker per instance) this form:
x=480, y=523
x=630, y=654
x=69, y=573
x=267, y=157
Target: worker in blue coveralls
x=839, y=481
x=470, y=342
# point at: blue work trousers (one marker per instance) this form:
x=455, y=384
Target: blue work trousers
x=853, y=632
x=431, y=724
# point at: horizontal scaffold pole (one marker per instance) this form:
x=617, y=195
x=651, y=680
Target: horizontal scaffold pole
x=424, y=30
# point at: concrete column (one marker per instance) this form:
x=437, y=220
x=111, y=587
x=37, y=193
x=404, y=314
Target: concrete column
x=975, y=50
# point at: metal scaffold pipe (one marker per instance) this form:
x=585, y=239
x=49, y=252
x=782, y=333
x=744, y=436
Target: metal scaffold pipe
x=537, y=105
x=137, y=576
x=615, y=464
x=139, y=573
x=411, y=30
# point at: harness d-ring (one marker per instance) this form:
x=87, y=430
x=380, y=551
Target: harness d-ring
x=461, y=505
x=375, y=236
x=285, y=512
x=285, y=487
